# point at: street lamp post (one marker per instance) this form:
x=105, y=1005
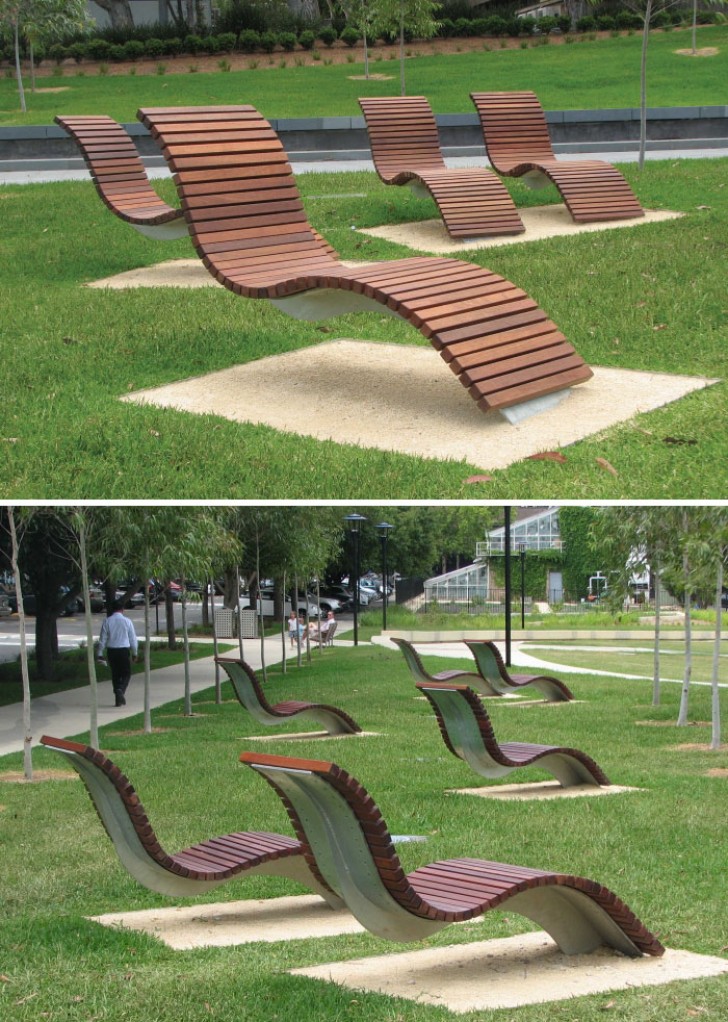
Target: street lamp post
x=522, y=555
x=354, y=522
x=384, y=528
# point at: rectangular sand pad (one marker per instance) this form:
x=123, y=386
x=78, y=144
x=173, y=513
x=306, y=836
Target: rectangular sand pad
x=527, y=969
x=404, y=398
x=237, y=922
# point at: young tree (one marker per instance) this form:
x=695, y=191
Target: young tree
x=37, y=20
x=15, y=529
x=397, y=16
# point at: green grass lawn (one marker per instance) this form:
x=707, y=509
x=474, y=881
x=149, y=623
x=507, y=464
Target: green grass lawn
x=637, y=660
x=597, y=74
x=661, y=849
x=647, y=298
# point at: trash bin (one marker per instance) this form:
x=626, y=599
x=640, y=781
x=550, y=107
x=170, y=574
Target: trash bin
x=225, y=623
x=249, y=623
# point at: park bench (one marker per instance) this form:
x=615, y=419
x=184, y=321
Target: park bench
x=193, y=870
x=250, y=694
x=248, y=225
x=518, y=144
x=405, y=147
x=347, y=841
x=491, y=666
x=468, y=733
x=120, y=177
x=421, y=674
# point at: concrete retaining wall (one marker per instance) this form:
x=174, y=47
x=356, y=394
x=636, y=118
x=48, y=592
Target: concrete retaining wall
x=320, y=138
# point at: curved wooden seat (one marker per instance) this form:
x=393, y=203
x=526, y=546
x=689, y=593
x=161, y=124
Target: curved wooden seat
x=420, y=674
x=249, y=227
x=120, y=177
x=468, y=733
x=518, y=143
x=491, y=666
x=193, y=870
x=405, y=146
x=250, y=695
x=347, y=841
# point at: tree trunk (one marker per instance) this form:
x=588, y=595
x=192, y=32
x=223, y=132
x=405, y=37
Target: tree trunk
x=683, y=714
x=18, y=71
x=402, y=87
x=715, y=691
x=119, y=12
x=658, y=619
x=27, y=733
x=94, y=697
x=643, y=85
x=215, y=650
x=169, y=618
x=186, y=647
x=46, y=642
x=259, y=597
x=147, y=664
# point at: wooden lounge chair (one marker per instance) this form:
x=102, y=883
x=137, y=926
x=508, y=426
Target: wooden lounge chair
x=406, y=151
x=468, y=733
x=250, y=695
x=491, y=666
x=518, y=144
x=420, y=674
x=194, y=870
x=249, y=227
x=347, y=841
x=121, y=179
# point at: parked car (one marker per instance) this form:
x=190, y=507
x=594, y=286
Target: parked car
x=69, y=605
x=96, y=599
x=304, y=604
x=328, y=601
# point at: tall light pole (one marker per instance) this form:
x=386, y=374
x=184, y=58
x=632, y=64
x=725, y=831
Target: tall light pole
x=522, y=555
x=384, y=529
x=354, y=522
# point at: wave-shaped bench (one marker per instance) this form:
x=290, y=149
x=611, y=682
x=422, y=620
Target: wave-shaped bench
x=468, y=733
x=405, y=147
x=250, y=694
x=121, y=178
x=518, y=144
x=492, y=667
x=421, y=674
x=248, y=225
x=193, y=870
x=348, y=843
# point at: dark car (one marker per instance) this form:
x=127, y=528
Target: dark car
x=69, y=604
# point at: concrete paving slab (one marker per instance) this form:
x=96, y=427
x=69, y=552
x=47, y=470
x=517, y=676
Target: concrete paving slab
x=508, y=973
x=540, y=222
x=541, y=790
x=237, y=922
x=417, y=406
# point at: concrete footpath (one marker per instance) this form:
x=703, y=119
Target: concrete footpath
x=64, y=714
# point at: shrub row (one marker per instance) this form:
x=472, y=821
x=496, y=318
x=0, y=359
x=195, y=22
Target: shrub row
x=248, y=40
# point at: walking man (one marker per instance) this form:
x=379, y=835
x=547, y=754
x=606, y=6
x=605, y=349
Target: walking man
x=118, y=639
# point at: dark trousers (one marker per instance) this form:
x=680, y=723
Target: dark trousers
x=119, y=658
